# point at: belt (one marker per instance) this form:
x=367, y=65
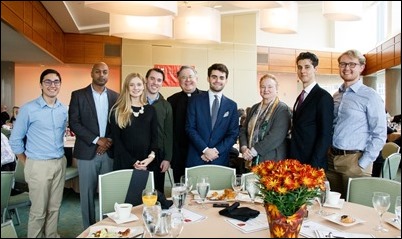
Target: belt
x=336, y=151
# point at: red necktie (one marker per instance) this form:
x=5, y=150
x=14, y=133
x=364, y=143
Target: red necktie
x=300, y=99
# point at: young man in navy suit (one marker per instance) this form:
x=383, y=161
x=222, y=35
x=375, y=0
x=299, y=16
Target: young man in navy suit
x=212, y=137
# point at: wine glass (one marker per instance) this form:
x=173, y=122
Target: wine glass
x=188, y=181
x=381, y=203
x=398, y=209
x=203, y=188
x=251, y=188
x=237, y=185
x=179, y=194
x=149, y=196
x=151, y=215
x=176, y=224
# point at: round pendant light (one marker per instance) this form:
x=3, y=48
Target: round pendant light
x=342, y=10
x=137, y=8
x=197, y=25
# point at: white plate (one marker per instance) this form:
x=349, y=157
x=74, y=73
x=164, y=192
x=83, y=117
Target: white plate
x=393, y=222
x=113, y=231
x=113, y=216
x=336, y=218
x=339, y=205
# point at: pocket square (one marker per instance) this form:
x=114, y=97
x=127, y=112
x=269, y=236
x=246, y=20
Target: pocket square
x=242, y=213
x=226, y=114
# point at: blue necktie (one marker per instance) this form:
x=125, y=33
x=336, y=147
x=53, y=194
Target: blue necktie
x=215, y=108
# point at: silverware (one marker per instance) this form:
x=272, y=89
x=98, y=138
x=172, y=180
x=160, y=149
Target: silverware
x=138, y=235
x=331, y=235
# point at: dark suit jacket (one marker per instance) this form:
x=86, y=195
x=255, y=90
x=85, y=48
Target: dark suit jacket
x=273, y=146
x=179, y=102
x=312, y=128
x=200, y=132
x=83, y=121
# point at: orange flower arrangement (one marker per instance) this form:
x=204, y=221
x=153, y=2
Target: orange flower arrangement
x=288, y=184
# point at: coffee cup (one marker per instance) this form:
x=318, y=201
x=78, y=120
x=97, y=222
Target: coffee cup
x=123, y=210
x=333, y=198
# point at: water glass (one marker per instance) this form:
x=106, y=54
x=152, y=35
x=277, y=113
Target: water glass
x=237, y=184
x=398, y=209
x=179, y=194
x=176, y=224
x=381, y=203
x=151, y=217
x=203, y=188
x=188, y=181
x=252, y=188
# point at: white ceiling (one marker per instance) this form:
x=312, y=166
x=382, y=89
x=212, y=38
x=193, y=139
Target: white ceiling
x=74, y=17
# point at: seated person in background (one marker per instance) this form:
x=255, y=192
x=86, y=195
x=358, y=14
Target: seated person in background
x=396, y=119
x=14, y=114
x=7, y=155
x=4, y=116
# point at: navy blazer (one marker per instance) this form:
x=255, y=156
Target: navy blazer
x=83, y=121
x=312, y=128
x=200, y=132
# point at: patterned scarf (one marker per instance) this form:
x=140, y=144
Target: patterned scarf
x=259, y=121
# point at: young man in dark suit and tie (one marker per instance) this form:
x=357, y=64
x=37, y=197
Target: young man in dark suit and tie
x=212, y=133
x=311, y=132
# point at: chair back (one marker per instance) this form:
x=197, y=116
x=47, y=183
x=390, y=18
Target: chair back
x=7, y=178
x=219, y=176
x=113, y=188
x=389, y=148
x=390, y=166
x=22, y=198
x=360, y=190
x=8, y=230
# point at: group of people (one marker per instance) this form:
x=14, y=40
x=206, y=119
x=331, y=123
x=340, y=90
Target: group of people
x=343, y=133
x=140, y=129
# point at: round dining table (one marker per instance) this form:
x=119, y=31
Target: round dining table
x=216, y=226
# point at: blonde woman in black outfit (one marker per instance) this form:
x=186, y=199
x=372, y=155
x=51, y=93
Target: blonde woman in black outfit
x=134, y=127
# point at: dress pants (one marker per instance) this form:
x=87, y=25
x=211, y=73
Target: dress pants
x=88, y=172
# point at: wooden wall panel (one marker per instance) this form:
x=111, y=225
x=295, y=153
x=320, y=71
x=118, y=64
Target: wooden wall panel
x=28, y=18
x=11, y=17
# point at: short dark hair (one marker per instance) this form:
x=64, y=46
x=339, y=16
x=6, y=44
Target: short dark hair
x=219, y=67
x=157, y=70
x=49, y=71
x=308, y=55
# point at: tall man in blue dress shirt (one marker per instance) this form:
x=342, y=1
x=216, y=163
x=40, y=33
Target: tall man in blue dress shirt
x=43, y=122
x=360, y=127
x=210, y=143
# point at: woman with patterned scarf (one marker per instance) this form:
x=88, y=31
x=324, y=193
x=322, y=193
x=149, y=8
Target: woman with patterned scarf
x=263, y=134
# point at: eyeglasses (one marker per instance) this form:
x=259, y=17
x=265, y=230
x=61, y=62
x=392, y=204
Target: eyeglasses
x=350, y=64
x=49, y=82
x=190, y=77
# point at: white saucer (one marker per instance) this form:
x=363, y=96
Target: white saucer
x=113, y=216
x=339, y=205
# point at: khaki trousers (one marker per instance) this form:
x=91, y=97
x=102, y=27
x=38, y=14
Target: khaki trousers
x=343, y=167
x=45, y=180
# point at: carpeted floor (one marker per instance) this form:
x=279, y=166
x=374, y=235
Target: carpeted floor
x=70, y=223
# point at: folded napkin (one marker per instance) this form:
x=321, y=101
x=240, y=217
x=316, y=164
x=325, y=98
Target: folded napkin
x=242, y=213
x=165, y=203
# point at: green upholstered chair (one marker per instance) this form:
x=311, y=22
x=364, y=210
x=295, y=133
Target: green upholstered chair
x=113, y=188
x=360, y=190
x=219, y=176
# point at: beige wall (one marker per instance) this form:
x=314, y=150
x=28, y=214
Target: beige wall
x=238, y=51
x=73, y=77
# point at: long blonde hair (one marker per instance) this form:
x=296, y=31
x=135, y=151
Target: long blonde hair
x=122, y=108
